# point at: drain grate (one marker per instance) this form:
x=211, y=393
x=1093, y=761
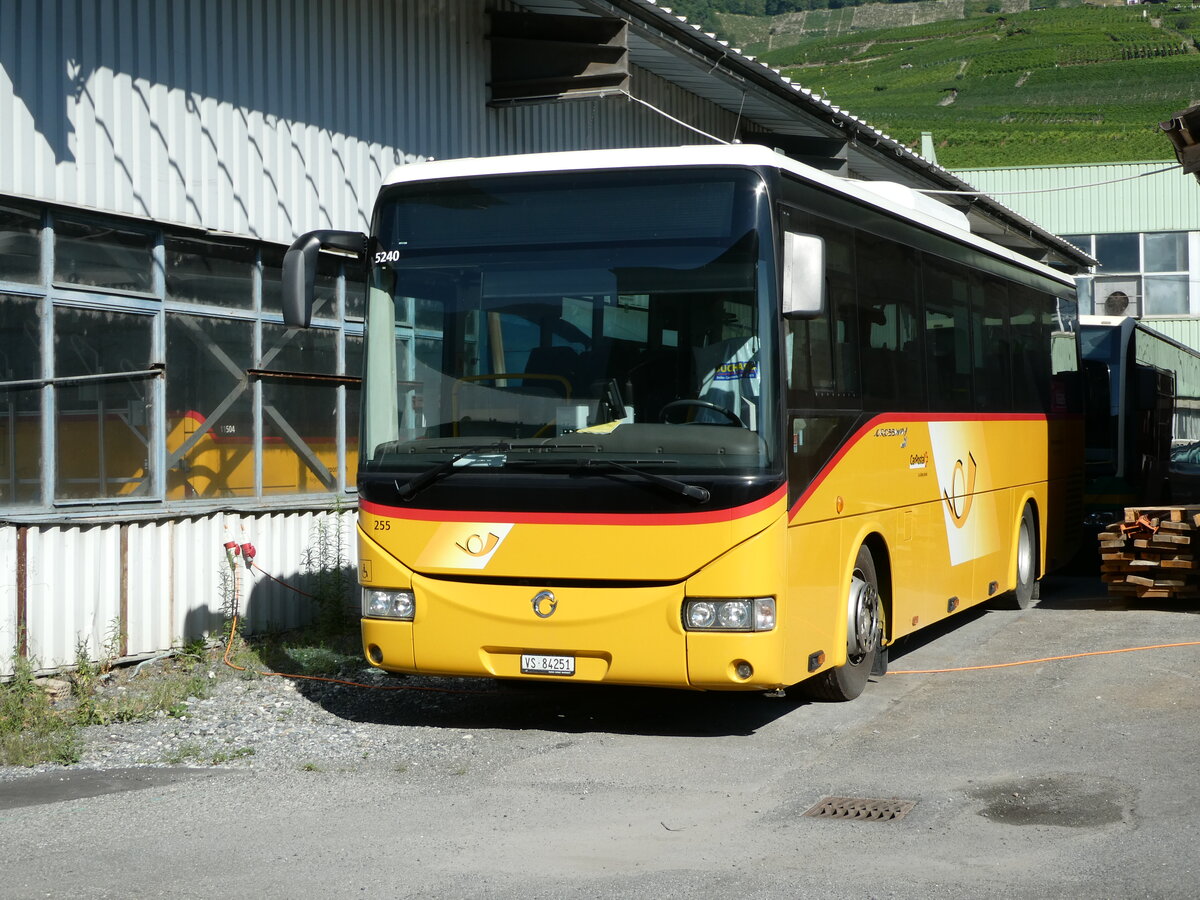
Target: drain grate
x=861, y=808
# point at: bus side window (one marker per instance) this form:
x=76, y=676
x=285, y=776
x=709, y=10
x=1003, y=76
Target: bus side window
x=1030, y=340
x=947, y=336
x=990, y=345
x=889, y=338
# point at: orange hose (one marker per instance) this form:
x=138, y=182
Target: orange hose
x=1030, y=662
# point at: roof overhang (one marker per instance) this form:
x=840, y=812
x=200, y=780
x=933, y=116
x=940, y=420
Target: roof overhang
x=803, y=121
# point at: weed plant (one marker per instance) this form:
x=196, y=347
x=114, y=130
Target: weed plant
x=31, y=731
x=35, y=729
x=330, y=574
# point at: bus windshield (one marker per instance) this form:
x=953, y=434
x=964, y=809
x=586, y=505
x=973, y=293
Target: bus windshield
x=588, y=319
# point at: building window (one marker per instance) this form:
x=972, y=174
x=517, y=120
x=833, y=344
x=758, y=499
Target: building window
x=106, y=255
x=20, y=245
x=1166, y=252
x=172, y=377
x=1165, y=295
x=210, y=272
x=300, y=403
x=1139, y=274
x=103, y=404
x=210, y=407
x=324, y=292
x=1117, y=253
x=20, y=401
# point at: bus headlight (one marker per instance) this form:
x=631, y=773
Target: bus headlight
x=388, y=604
x=751, y=614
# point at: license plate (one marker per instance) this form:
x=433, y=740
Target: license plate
x=541, y=664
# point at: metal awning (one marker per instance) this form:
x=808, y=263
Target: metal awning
x=680, y=53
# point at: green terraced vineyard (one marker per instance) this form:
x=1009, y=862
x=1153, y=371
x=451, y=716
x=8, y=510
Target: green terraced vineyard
x=1037, y=87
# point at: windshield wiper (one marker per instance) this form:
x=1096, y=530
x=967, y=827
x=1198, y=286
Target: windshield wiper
x=418, y=483
x=690, y=491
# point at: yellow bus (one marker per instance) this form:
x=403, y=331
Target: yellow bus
x=698, y=417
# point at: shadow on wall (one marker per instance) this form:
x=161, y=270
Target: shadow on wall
x=224, y=55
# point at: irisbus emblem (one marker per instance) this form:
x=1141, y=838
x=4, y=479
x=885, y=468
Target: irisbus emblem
x=544, y=604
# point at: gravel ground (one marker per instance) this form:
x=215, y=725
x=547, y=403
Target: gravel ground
x=270, y=724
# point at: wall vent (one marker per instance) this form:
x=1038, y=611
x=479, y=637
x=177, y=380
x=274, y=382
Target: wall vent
x=538, y=58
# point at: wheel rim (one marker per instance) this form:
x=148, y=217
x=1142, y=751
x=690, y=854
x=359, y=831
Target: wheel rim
x=862, y=633
x=1025, y=555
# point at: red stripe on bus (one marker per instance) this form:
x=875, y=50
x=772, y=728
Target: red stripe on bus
x=555, y=518
x=903, y=417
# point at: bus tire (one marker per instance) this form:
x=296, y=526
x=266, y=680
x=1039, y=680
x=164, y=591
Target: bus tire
x=864, y=637
x=1026, y=591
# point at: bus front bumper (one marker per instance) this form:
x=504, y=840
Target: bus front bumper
x=618, y=635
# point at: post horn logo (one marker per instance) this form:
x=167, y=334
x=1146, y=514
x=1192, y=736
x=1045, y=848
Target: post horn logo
x=544, y=604
x=477, y=545
x=962, y=482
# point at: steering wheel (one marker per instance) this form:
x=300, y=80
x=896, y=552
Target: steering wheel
x=702, y=404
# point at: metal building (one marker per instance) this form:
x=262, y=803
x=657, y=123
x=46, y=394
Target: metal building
x=156, y=159
x=1141, y=221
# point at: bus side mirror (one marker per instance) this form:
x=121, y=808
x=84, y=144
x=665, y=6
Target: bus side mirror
x=803, y=275
x=300, y=270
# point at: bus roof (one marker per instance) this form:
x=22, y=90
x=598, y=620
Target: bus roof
x=889, y=197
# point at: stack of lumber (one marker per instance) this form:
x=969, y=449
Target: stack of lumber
x=1152, y=554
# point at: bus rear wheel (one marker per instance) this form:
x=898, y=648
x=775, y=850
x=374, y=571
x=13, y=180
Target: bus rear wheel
x=864, y=637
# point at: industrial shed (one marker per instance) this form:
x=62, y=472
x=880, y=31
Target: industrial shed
x=157, y=160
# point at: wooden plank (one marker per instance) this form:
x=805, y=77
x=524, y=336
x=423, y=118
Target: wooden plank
x=1139, y=579
x=1161, y=540
x=1177, y=526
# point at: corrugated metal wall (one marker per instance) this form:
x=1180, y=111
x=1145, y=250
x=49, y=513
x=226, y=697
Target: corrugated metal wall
x=140, y=588
x=1125, y=197
x=273, y=117
x=1185, y=329
x=8, y=592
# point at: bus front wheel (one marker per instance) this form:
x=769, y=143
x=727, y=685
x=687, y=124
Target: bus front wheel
x=1026, y=590
x=864, y=636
